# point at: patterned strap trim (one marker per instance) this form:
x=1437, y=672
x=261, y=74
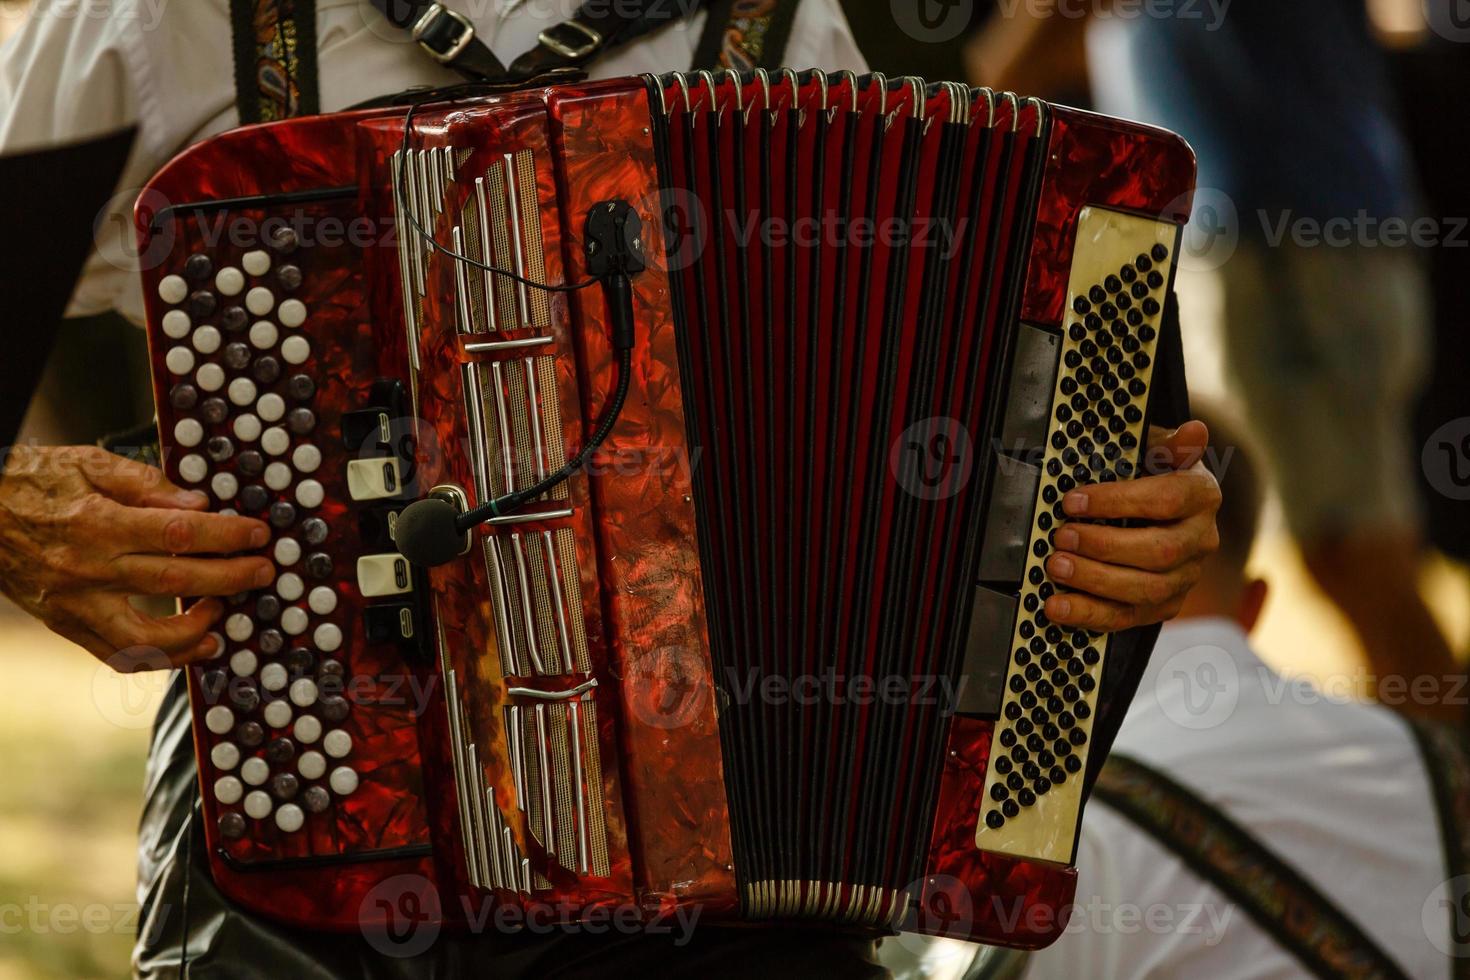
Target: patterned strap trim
x=1447, y=763
x=745, y=34
x=275, y=59
x=1278, y=899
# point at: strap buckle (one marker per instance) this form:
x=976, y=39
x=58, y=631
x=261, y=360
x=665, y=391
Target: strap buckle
x=573, y=51
x=429, y=29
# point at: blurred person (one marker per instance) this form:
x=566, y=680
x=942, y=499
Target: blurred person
x=1339, y=794
x=1306, y=202
x=82, y=532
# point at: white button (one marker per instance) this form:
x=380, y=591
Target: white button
x=229, y=281
x=260, y=300
x=206, y=340
x=295, y=348
x=337, y=743
x=225, y=486
x=219, y=645
x=307, y=729
x=263, y=334
x=343, y=781
x=255, y=771
x=257, y=263
x=228, y=512
x=219, y=719
x=327, y=637
x=225, y=756
x=179, y=360
x=312, y=765
x=275, y=440
x=242, y=392
x=293, y=620
x=278, y=714
x=290, y=587
x=239, y=627
x=273, y=677
x=372, y=479
x=172, y=289
x=211, y=377
x=309, y=493
x=247, y=428
x=257, y=805
x=322, y=600
x=292, y=313
x=278, y=476
x=176, y=324
x=193, y=468
x=380, y=575
x=188, y=432
x=288, y=551
x=306, y=458
x=271, y=407
x=303, y=692
x=243, y=663
x=227, y=790
x=290, y=818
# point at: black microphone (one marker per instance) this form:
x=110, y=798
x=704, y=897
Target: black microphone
x=433, y=531
x=428, y=532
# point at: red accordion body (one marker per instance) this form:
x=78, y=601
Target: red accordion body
x=778, y=651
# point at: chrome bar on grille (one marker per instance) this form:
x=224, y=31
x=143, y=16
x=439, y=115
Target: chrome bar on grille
x=568, y=695
x=558, y=601
x=533, y=396
x=505, y=636
x=503, y=422
x=517, y=739
x=464, y=317
x=576, y=739
x=407, y=239
x=528, y=617
x=492, y=346
x=547, y=800
x=512, y=182
x=487, y=254
x=545, y=515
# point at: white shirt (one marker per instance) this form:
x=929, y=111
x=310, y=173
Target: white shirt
x=82, y=68
x=1336, y=789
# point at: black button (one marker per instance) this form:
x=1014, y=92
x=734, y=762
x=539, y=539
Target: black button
x=219, y=448
x=334, y=708
x=1160, y=253
x=282, y=514
x=1009, y=808
x=993, y=819
x=249, y=734
x=300, y=420
x=183, y=397
x=266, y=370
x=253, y=497
x=289, y=276
x=285, y=785
x=231, y=826
x=271, y=640
x=214, y=410
x=284, y=240
x=1026, y=798
x=999, y=792
x=315, y=799
x=298, y=660
x=319, y=564
x=244, y=696
x=280, y=751
x=202, y=304
x=236, y=355
x=300, y=387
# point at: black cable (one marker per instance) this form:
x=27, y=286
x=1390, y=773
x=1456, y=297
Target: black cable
x=401, y=190
x=605, y=423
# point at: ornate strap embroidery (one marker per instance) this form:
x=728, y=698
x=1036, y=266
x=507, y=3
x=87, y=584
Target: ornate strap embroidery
x=1448, y=764
x=745, y=34
x=275, y=59
x=1270, y=891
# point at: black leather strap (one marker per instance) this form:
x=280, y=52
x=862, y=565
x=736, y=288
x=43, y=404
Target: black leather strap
x=445, y=35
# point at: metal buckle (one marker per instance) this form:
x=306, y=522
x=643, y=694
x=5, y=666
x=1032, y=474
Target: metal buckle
x=594, y=40
x=426, y=22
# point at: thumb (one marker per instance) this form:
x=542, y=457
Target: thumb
x=1179, y=449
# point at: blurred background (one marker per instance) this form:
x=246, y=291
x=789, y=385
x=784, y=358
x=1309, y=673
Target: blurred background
x=73, y=736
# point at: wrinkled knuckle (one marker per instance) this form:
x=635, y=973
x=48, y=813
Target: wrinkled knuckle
x=1157, y=589
x=1170, y=551
x=178, y=534
x=172, y=580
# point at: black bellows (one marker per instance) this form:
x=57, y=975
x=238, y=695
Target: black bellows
x=845, y=281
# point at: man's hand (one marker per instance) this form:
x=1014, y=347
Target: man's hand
x=82, y=529
x=1133, y=576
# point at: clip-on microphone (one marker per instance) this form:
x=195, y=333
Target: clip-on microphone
x=433, y=531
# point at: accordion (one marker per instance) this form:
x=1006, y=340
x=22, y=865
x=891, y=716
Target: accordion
x=779, y=649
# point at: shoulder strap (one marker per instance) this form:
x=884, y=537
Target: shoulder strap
x=274, y=44
x=1305, y=922
x=745, y=34
x=1447, y=763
